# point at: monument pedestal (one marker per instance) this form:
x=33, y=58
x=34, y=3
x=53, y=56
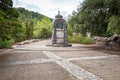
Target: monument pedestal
x=60, y=45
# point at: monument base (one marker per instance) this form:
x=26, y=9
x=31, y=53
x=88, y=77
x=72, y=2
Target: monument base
x=60, y=45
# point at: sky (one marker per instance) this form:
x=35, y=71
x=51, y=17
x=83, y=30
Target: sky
x=49, y=8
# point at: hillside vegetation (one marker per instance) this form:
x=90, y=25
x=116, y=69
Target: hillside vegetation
x=18, y=24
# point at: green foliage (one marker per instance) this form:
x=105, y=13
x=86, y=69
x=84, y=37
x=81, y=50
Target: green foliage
x=114, y=25
x=5, y=4
x=1, y=15
x=24, y=13
x=80, y=39
x=86, y=40
x=95, y=17
x=10, y=28
x=29, y=29
x=19, y=24
x=34, y=24
x=18, y=31
x=6, y=43
x=69, y=31
x=43, y=28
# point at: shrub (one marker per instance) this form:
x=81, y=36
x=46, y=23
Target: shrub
x=86, y=40
x=70, y=38
x=80, y=39
x=6, y=43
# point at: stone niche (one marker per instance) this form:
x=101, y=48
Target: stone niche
x=59, y=31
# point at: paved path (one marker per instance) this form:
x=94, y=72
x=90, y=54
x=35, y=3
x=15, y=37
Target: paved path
x=35, y=61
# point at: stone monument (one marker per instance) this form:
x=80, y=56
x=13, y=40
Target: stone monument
x=59, y=31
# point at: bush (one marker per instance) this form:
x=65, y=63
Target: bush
x=80, y=39
x=70, y=39
x=6, y=43
x=86, y=40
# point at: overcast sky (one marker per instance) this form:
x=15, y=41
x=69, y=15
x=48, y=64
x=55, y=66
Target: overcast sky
x=49, y=7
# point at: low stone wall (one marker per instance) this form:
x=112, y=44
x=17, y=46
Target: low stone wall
x=112, y=43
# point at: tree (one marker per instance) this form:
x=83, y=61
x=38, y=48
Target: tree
x=95, y=16
x=29, y=29
x=114, y=25
x=29, y=20
x=43, y=28
x=5, y=4
x=10, y=28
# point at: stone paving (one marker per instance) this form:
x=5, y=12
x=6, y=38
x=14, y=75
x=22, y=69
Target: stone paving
x=35, y=61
